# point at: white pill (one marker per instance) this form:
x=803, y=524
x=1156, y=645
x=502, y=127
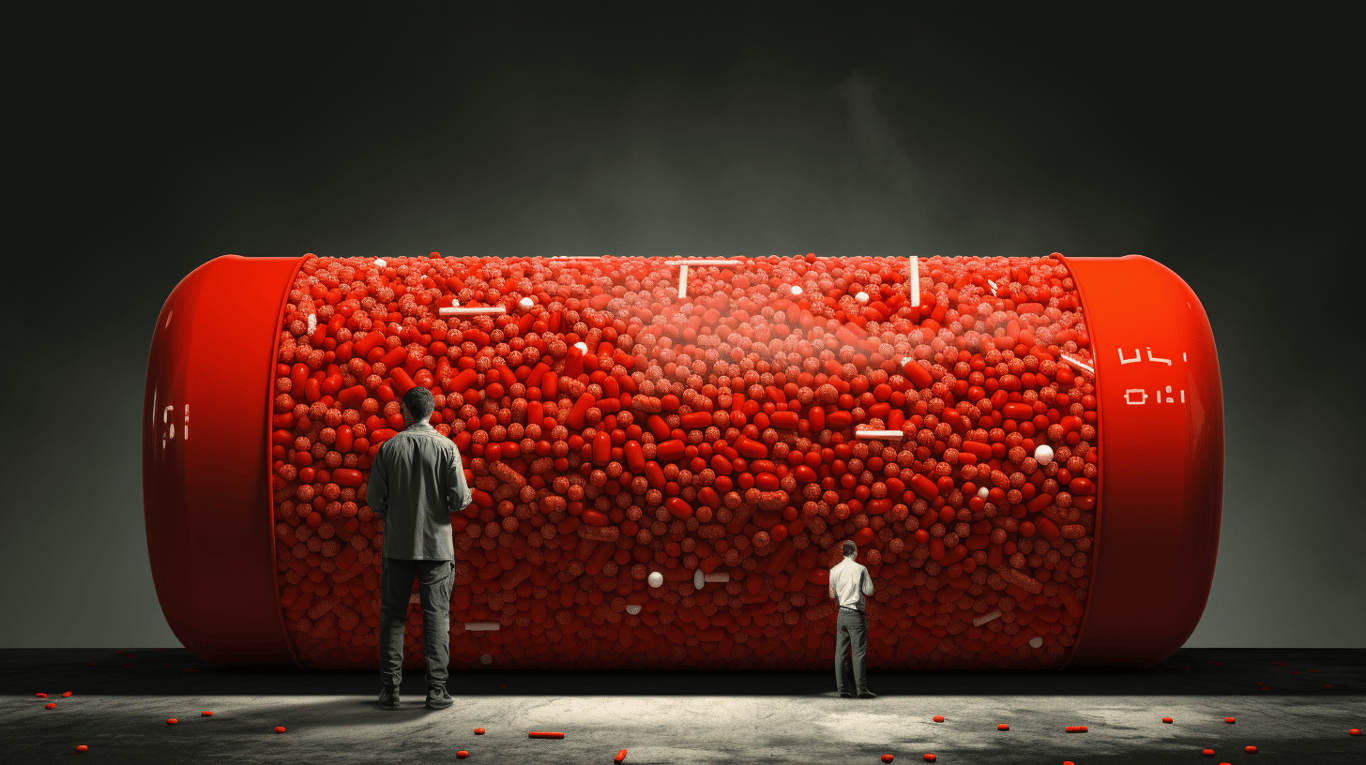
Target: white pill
x=862, y=297
x=526, y=303
x=312, y=322
x=381, y=262
x=485, y=659
x=796, y=290
x=1043, y=454
x=698, y=579
x=632, y=609
x=583, y=347
x=1035, y=642
x=983, y=492
x=656, y=579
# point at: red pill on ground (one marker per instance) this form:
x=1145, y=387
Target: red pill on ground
x=279, y=729
x=51, y=705
x=82, y=748
x=206, y=713
x=1250, y=749
x=1167, y=720
x=478, y=731
x=887, y=758
x=1076, y=729
x=1354, y=732
x=1207, y=752
x=41, y=695
x=1229, y=720
x=1002, y=726
x=621, y=757
x=66, y=695
x=939, y=718
x=928, y=757
x=172, y=721
x=544, y=734
x=462, y=754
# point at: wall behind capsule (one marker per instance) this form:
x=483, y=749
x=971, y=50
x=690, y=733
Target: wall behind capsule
x=490, y=129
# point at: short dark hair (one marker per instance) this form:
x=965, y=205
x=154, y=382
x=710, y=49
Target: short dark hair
x=850, y=549
x=419, y=402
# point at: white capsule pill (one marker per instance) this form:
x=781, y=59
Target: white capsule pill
x=656, y=579
x=526, y=303
x=983, y=492
x=862, y=297
x=698, y=579
x=1043, y=454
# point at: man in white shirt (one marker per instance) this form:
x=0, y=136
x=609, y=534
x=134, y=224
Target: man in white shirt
x=849, y=585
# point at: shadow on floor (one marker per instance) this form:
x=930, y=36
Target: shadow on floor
x=1219, y=672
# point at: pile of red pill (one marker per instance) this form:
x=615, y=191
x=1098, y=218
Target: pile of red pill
x=619, y=439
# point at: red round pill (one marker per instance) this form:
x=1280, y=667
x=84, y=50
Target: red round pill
x=939, y=718
x=1002, y=726
x=887, y=758
x=478, y=731
x=82, y=748
x=279, y=729
x=1167, y=720
x=1250, y=749
x=51, y=706
x=929, y=757
x=462, y=754
x=206, y=713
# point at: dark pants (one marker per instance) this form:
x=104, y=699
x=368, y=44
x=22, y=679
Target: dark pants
x=851, y=631
x=434, y=578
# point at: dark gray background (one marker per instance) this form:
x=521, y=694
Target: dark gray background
x=1223, y=141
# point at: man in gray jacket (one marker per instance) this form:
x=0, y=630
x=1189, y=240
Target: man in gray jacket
x=416, y=482
x=849, y=585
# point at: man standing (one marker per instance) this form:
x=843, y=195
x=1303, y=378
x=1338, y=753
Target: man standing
x=849, y=584
x=416, y=482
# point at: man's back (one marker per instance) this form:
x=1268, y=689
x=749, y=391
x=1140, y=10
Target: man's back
x=849, y=583
x=416, y=481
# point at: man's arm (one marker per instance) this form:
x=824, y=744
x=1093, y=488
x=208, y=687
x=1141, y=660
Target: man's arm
x=867, y=582
x=458, y=495
x=377, y=492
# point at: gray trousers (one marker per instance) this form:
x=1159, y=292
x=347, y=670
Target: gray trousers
x=434, y=578
x=851, y=636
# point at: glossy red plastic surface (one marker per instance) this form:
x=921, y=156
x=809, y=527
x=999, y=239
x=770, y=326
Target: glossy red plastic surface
x=205, y=466
x=1162, y=460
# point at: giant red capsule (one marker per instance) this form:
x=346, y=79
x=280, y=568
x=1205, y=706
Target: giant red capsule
x=610, y=440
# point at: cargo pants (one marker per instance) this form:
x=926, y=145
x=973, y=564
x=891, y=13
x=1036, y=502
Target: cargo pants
x=434, y=580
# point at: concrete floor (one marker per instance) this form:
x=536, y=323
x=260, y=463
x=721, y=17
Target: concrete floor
x=119, y=707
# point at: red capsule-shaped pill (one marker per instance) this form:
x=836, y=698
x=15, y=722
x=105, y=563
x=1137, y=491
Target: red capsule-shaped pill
x=887, y=758
x=1207, y=752
x=66, y=695
x=1167, y=720
x=1354, y=732
x=1229, y=720
x=462, y=754
x=678, y=508
x=206, y=713
x=172, y=721
x=50, y=705
x=279, y=729
x=41, y=695
x=1002, y=726
x=621, y=757
x=82, y=748
x=1076, y=729
x=938, y=718
x=928, y=757
x=545, y=734
x=1250, y=749
x=478, y=731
